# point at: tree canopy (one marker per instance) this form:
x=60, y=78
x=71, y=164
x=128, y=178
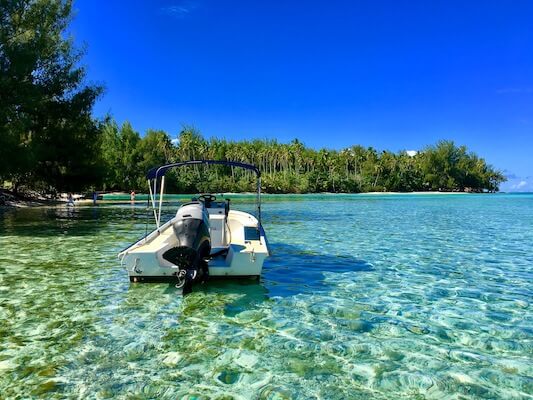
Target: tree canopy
x=48, y=137
x=289, y=167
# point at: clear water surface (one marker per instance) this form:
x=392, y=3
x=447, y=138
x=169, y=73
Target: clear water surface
x=365, y=296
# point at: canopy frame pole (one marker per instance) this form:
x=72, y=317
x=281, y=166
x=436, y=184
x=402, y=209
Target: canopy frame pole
x=160, y=201
x=155, y=172
x=259, y=199
x=152, y=199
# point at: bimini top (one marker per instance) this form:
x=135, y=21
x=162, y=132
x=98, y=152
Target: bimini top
x=157, y=172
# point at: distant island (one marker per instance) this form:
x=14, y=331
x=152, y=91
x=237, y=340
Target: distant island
x=288, y=167
x=50, y=142
x=122, y=157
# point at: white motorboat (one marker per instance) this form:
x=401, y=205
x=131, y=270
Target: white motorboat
x=206, y=238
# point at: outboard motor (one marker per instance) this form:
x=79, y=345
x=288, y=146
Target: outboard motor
x=194, y=245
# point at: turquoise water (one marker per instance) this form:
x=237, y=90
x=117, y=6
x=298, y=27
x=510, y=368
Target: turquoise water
x=398, y=296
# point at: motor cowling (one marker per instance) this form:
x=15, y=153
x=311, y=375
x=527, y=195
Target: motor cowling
x=191, y=229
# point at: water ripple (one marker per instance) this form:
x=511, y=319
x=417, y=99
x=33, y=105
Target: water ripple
x=364, y=297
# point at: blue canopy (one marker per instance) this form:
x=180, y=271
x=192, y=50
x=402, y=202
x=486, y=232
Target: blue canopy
x=157, y=172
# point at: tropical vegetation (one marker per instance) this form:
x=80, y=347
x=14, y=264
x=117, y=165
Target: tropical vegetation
x=288, y=167
x=48, y=137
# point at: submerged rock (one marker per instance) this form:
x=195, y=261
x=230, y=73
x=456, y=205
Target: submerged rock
x=229, y=377
x=172, y=358
x=275, y=393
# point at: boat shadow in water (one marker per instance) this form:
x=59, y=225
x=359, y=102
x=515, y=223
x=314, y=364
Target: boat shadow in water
x=293, y=270
x=289, y=271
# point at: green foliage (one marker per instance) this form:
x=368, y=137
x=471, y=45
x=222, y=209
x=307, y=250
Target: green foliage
x=47, y=135
x=126, y=156
x=289, y=168
x=448, y=167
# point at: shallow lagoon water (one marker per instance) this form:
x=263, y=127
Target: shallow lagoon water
x=365, y=296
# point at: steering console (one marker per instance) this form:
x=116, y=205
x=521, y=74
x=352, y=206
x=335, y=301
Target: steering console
x=207, y=198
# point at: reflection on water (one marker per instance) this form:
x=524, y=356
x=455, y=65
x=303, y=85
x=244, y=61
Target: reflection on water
x=363, y=297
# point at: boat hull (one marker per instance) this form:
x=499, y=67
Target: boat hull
x=144, y=267
x=243, y=256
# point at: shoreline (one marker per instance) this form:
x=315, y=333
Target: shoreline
x=25, y=202
x=417, y=193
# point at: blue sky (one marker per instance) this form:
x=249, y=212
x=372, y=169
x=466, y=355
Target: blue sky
x=389, y=74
